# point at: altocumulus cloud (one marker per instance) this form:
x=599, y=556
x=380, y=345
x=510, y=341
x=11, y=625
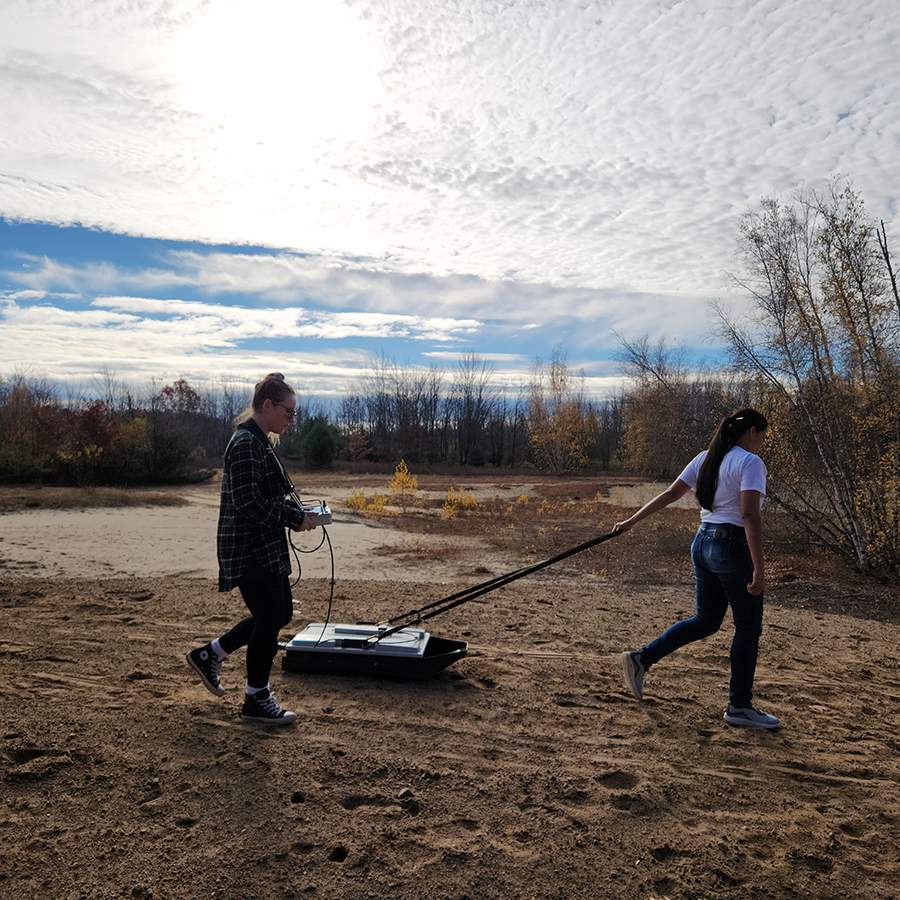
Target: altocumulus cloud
x=582, y=143
x=502, y=175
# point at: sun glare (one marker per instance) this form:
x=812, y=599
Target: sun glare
x=286, y=73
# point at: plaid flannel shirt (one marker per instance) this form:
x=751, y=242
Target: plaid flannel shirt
x=254, y=510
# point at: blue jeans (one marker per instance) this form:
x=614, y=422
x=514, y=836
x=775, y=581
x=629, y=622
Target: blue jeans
x=723, y=569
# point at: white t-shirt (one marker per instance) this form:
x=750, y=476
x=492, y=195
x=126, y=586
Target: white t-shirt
x=740, y=471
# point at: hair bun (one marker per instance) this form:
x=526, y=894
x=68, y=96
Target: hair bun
x=277, y=376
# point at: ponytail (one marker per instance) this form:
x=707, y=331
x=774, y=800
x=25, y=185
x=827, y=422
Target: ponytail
x=729, y=432
x=273, y=387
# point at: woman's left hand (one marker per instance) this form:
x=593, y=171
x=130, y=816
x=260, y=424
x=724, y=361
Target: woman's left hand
x=758, y=585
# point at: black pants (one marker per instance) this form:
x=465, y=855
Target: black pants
x=268, y=598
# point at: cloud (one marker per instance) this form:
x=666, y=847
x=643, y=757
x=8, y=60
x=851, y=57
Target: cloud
x=149, y=337
x=233, y=322
x=122, y=336
x=448, y=356
x=567, y=145
x=458, y=303
x=507, y=178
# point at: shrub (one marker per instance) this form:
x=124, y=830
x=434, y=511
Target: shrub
x=318, y=444
x=461, y=501
x=403, y=487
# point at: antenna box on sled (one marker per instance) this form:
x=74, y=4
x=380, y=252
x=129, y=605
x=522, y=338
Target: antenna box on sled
x=356, y=650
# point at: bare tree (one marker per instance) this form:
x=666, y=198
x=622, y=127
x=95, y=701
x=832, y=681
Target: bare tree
x=821, y=335
x=111, y=390
x=471, y=400
x=671, y=407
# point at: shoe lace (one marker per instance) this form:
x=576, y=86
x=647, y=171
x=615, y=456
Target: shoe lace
x=212, y=666
x=269, y=705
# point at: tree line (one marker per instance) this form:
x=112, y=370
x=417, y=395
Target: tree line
x=815, y=346
x=448, y=417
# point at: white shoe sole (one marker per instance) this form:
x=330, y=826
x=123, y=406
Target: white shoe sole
x=287, y=719
x=742, y=722
x=631, y=675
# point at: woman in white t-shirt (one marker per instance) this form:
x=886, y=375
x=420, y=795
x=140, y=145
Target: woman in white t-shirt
x=729, y=480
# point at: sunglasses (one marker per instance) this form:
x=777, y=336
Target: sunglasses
x=291, y=412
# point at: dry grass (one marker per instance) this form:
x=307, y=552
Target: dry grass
x=23, y=497
x=419, y=547
x=559, y=514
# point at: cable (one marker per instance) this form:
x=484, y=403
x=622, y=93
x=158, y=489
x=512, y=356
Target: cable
x=297, y=550
x=291, y=492
x=416, y=616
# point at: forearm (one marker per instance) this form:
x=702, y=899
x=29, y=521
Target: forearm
x=672, y=493
x=753, y=531
x=660, y=501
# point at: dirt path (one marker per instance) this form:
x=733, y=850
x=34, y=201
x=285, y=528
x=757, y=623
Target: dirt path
x=524, y=771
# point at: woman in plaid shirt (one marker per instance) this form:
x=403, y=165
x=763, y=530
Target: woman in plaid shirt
x=253, y=549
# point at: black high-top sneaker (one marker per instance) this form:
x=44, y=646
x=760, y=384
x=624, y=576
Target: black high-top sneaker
x=263, y=708
x=208, y=666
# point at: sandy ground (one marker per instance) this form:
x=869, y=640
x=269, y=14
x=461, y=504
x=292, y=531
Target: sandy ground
x=148, y=541
x=170, y=542
x=526, y=770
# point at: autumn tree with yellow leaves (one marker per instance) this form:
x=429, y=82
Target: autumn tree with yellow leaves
x=562, y=423
x=821, y=333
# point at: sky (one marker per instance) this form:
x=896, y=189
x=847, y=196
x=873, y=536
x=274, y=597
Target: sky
x=216, y=189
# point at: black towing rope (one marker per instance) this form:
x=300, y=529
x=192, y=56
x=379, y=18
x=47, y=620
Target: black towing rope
x=414, y=616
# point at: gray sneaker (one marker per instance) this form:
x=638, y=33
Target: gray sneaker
x=748, y=716
x=263, y=708
x=634, y=672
